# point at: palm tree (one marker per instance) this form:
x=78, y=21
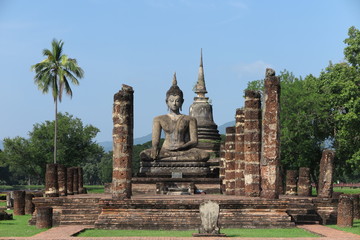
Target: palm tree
x=55, y=72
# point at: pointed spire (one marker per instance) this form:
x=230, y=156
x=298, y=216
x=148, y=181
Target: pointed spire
x=200, y=88
x=174, y=81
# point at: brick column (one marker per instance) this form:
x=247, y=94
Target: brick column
x=304, y=183
x=61, y=170
x=19, y=202
x=222, y=167
x=51, y=181
x=123, y=119
x=252, y=143
x=270, y=152
x=70, y=181
x=326, y=174
x=356, y=206
x=44, y=217
x=345, y=211
x=239, y=153
x=291, y=180
x=75, y=180
x=81, y=180
x=230, y=161
x=29, y=206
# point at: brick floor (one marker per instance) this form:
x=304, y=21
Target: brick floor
x=66, y=232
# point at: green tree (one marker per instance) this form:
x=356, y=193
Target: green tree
x=352, y=50
x=27, y=158
x=55, y=72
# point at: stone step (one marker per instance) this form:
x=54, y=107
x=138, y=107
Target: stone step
x=80, y=211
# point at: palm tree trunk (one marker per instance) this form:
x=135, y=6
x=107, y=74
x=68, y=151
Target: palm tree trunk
x=55, y=135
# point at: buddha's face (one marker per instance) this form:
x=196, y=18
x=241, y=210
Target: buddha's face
x=174, y=102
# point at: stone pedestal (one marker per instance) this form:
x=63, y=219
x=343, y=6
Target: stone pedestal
x=239, y=152
x=230, y=161
x=304, y=182
x=44, y=217
x=123, y=112
x=29, y=206
x=19, y=202
x=51, y=181
x=70, y=181
x=270, y=158
x=291, y=180
x=326, y=174
x=62, y=178
x=252, y=143
x=345, y=211
x=75, y=180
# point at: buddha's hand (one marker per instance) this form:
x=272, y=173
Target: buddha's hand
x=154, y=153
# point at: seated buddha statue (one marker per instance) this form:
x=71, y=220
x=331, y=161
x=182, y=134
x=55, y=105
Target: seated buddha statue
x=180, y=133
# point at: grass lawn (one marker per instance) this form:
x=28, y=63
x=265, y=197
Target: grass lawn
x=94, y=188
x=18, y=227
x=345, y=190
x=2, y=203
x=355, y=229
x=279, y=232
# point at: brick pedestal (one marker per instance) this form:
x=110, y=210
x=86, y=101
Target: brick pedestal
x=122, y=142
x=345, y=211
x=62, y=172
x=44, y=217
x=29, y=206
x=291, y=180
x=70, y=181
x=51, y=181
x=239, y=153
x=304, y=183
x=230, y=161
x=252, y=143
x=270, y=158
x=326, y=174
x=19, y=202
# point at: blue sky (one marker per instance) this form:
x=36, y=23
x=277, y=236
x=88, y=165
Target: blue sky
x=142, y=43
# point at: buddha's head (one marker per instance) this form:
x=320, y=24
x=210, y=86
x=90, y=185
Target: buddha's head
x=174, y=96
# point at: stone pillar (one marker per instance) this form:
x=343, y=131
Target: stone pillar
x=230, y=161
x=51, y=181
x=326, y=174
x=81, y=180
x=270, y=147
x=10, y=200
x=19, y=202
x=291, y=180
x=345, y=211
x=252, y=143
x=75, y=180
x=304, y=183
x=61, y=171
x=70, y=181
x=29, y=206
x=222, y=167
x=44, y=217
x=356, y=206
x=239, y=153
x=123, y=119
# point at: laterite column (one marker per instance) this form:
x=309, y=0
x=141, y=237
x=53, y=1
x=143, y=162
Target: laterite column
x=270, y=157
x=123, y=119
x=70, y=181
x=222, y=167
x=51, y=181
x=356, y=206
x=239, y=153
x=230, y=161
x=304, y=183
x=81, y=180
x=291, y=180
x=252, y=143
x=75, y=180
x=29, y=206
x=19, y=202
x=61, y=170
x=326, y=174
x=345, y=211
x=44, y=217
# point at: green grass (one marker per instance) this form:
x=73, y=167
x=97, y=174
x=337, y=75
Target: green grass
x=94, y=188
x=345, y=190
x=18, y=227
x=278, y=232
x=2, y=203
x=21, y=187
x=355, y=229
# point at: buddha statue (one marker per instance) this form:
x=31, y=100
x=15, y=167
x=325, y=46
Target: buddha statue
x=178, y=153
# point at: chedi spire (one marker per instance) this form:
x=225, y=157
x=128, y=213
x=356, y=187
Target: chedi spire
x=200, y=88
